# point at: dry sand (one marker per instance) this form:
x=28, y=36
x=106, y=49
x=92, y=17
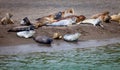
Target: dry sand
x=38, y=8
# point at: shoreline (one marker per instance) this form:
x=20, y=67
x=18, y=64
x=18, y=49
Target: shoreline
x=55, y=47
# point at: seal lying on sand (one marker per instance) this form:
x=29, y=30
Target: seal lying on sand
x=65, y=22
x=63, y=14
x=57, y=36
x=43, y=39
x=7, y=19
x=53, y=17
x=95, y=22
x=44, y=20
x=25, y=22
x=26, y=34
x=104, y=16
x=21, y=28
x=78, y=18
x=116, y=17
x=71, y=37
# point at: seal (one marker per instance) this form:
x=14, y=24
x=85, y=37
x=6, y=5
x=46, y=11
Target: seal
x=116, y=17
x=21, y=28
x=43, y=39
x=68, y=12
x=104, y=16
x=25, y=22
x=79, y=18
x=26, y=34
x=7, y=19
x=65, y=22
x=95, y=22
x=71, y=37
x=44, y=20
x=57, y=36
x=62, y=14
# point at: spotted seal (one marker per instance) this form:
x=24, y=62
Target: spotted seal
x=43, y=39
x=71, y=37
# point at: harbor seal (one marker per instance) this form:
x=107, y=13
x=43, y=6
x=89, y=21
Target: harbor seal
x=43, y=39
x=7, y=19
x=21, y=28
x=71, y=37
x=25, y=22
x=26, y=34
x=57, y=36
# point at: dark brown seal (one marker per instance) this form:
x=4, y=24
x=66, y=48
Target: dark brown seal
x=43, y=39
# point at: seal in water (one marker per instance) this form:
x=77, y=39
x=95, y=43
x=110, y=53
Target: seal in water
x=71, y=37
x=43, y=39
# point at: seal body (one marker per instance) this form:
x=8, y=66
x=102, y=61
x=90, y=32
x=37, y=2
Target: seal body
x=7, y=19
x=104, y=16
x=71, y=37
x=64, y=22
x=44, y=20
x=43, y=39
x=95, y=22
x=26, y=34
x=21, y=28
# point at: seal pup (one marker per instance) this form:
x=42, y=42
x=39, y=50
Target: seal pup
x=116, y=17
x=26, y=34
x=7, y=19
x=65, y=22
x=43, y=39
x=25, y=22
x=71, y=37
x=21, y=28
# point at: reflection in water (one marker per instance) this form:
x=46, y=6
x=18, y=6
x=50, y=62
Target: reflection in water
x=96, y=58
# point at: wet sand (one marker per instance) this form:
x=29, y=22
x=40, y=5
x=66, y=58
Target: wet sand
x=36, y=9
x=55, y=46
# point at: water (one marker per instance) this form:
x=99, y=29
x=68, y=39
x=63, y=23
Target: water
x=90, y=58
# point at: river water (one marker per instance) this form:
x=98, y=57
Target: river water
x=89, y=58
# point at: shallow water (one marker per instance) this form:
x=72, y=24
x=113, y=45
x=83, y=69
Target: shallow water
x=90, y=58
